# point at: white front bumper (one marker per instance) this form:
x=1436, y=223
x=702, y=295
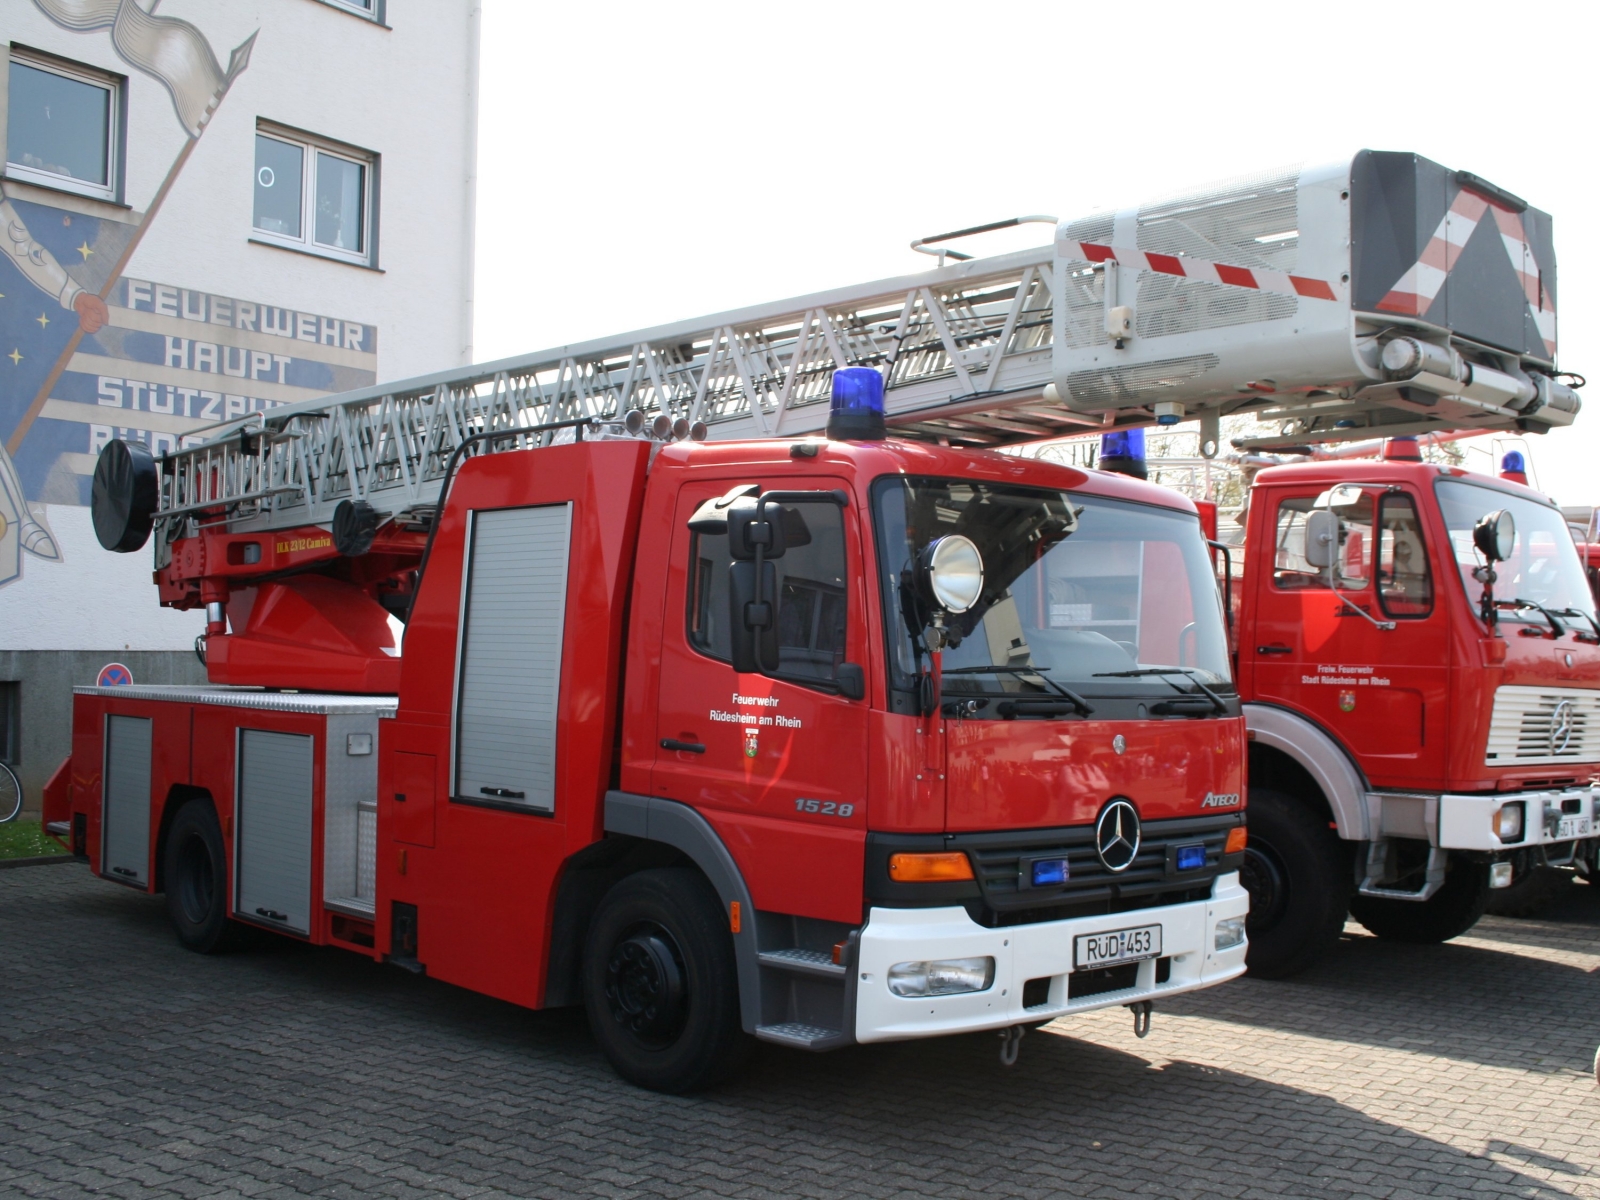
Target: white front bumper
x=1024, y=952
x=1467, y=822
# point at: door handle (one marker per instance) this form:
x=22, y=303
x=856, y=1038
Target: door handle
x=688, y=747
x=1274, y=649
x=504, y=793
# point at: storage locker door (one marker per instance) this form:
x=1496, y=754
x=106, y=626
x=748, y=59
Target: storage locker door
x=510, y=661
x=125, y=853
x=274, y=828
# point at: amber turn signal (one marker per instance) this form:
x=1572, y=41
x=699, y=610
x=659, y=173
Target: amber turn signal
x=929, y=868
x=1236, y=840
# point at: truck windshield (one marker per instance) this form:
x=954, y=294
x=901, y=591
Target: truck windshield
x=1543, y=566
x=1084, y=589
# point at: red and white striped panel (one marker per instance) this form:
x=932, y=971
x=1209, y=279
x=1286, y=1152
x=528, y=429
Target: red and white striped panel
x=1185, y=267
x=1416, y=290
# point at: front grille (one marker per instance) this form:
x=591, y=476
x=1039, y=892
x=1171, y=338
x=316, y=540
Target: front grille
x=1532, y=726
x=1153, y=879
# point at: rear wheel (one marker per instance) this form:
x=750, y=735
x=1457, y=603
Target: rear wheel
x=1531, y=892
x=1297, y=873
x=1449, y=912
x=196, y=871
x=660, y=982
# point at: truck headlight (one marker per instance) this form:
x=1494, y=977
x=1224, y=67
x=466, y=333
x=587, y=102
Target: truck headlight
x=1508, y=822
x=944, y=977
x=1229, y=933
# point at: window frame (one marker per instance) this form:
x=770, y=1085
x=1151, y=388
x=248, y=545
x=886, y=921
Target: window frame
x=116, y=125
x=1403, y=497
x=376, y=13
x=310, y=145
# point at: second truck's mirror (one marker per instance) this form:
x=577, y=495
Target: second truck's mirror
x=1322, y=538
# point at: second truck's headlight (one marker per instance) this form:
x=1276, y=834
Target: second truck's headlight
x=944, y=977
x=1508, y=822
x=1229, y=933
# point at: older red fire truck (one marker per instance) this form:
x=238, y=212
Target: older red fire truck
x=817, y=741
x=1419, y=655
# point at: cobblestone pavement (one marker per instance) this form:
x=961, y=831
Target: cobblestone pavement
x=129, y=1067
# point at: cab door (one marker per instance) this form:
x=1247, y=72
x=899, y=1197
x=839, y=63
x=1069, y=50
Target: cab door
x=777, y=765
x=1319, y=648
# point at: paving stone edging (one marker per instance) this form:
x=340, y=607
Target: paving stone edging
x=38, y=860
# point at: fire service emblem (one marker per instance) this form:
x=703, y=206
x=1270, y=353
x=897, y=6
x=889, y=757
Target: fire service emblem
x=1347, y=702
x=752, y=742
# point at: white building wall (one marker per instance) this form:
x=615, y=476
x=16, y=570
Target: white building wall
x=404, y=90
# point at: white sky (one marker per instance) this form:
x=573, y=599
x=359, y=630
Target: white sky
x=641, y=164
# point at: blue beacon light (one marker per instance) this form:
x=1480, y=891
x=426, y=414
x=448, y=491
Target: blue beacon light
x=1191, y=858
x=856, y=412
x=1513, y=461
x=1050, y=872
x=1123, y=452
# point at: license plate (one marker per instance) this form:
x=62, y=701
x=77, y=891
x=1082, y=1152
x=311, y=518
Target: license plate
x=1118, y=946
x=1572, y=827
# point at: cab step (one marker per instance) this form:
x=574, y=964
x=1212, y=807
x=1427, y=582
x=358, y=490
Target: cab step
x=801, y=1036
x=802, y=962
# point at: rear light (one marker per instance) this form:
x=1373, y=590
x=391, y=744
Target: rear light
x=1236, y=840
x=946, y=977
x=1508, y=822
x=947, y=867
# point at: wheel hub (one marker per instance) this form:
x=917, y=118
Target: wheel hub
x=196, y=881
x=1263, y=876
x=645, y=986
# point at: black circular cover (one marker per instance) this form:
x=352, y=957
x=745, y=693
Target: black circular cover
x=123, y=502
x=355, y=523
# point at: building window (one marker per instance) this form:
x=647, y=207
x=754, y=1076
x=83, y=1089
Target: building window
x=62, y=126
x=10, y=722
x=371, y=9
x=314, y=195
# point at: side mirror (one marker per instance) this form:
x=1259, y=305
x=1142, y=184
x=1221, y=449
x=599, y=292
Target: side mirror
x=753, y=627
x=1495, y=536
x=1322, y=538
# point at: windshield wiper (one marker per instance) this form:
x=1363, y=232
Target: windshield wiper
x=1083, y=706
x=1217, y=702
x=1556, y=627
x=1587, y=616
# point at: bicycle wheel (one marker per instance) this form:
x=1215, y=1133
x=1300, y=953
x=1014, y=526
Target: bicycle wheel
x=10, y=794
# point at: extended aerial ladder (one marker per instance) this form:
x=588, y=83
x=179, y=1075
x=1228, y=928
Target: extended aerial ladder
x=1377, y=296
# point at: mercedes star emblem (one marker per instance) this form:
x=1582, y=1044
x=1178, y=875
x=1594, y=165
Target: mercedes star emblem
x=1116, y=836
x=1563, y=724
x=1119, y=743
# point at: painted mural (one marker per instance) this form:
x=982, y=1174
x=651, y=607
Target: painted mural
x=88, y=354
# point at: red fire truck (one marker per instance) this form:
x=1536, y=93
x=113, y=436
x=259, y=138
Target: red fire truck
x=1419, y=655
x=810, y=740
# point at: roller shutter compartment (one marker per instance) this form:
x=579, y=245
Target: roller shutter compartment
x=274, y=829
x=509, y=687
x=125, y=850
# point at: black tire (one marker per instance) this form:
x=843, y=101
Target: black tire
x=1449, y=912
x=1531, y=892
x=660, y=983
x=1297, y=872
x=195, y=866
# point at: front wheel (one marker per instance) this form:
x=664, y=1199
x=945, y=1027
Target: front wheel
x=1449, y=912
x=196, y=871
x=1297, y=873
x=660, y=982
